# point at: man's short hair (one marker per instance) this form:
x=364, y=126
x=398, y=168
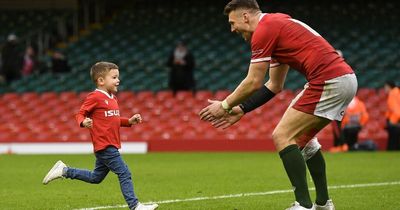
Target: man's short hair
x=241, y=4
x=100, y=69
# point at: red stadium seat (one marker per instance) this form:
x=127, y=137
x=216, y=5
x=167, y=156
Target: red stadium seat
x=83, y=95
x=163, y=95
x=29, y=97
x=183, y=95
x=48, y=96
x=5, y=136
x=203, y=95
x=144, y=95
x=165, y=117
x=221, y=94
x=126, y=96
x=10, y=96
x=68, y=96
x=24, y=137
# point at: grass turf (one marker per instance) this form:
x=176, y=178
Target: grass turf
x=166, y=176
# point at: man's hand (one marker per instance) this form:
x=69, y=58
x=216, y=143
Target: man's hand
x=213, y=111
x=229, y=119
x=87, y=123
x=135, y=119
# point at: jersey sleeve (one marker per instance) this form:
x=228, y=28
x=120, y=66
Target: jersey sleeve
x=87, y=107
x=124, y=122
x=263, y=42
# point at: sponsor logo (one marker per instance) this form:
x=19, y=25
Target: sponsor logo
x=111, y=113
x=105, y=101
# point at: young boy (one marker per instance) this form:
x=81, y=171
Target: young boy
x=100, y=114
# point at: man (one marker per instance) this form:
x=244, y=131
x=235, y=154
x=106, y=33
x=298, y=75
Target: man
x=182, y=63
x=354, y=119
x=12, y=58
x=277, y=42
x=393, y=115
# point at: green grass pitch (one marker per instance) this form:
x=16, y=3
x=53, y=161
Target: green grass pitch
x=169, y=176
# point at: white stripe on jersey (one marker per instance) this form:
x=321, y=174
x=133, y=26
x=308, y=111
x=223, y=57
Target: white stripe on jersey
x=260, y=60
x=274, y=65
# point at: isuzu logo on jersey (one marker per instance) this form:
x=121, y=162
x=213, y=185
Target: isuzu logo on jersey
x=111, y=113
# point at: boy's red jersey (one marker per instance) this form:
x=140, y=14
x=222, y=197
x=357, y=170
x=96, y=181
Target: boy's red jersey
x=103, y=109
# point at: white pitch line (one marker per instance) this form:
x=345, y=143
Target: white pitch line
x=246, y=195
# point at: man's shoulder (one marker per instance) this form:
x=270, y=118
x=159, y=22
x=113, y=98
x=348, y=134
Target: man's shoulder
x=275, y=17
x=272, y=22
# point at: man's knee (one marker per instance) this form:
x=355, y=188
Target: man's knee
x=281, y=139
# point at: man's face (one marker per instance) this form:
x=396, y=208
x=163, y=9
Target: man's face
x=239, y=21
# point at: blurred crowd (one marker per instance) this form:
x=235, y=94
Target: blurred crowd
x=20, y=60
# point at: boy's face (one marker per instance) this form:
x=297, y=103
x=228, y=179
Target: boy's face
x=111, y=81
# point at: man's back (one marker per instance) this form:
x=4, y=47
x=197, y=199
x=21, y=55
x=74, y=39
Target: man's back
x=292, y=42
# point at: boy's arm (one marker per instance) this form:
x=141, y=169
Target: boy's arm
x=125, y=122
x=135, y=119
x=87, y=107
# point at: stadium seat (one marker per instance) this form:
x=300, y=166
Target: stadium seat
x=221, y=94
x=221, y=63
x=163, y=95
x=203, y=95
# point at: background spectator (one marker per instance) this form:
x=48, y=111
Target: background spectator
x=393, y=115
x=59, y=63
x=12, y=59
x=30, y=62
x=355, y=118
x=181, y=63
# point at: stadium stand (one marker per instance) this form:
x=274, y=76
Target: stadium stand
x=131, y=39
x=23, y=22
x=51, y=117
x=139, y=39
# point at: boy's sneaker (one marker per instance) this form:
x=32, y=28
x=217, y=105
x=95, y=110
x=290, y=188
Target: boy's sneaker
x=296, y=206
x=146, y=207
x=55, y=173
x=328, y=206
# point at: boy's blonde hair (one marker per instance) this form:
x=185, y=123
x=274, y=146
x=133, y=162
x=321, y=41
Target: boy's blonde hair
x=100, y=69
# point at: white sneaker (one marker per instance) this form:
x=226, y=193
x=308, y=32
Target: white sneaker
x=296, y=206
x=328, y=206
x=146, y=207
x=55, y=172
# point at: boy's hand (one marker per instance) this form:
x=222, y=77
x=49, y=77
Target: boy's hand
x=135, y=119
x=87, y=123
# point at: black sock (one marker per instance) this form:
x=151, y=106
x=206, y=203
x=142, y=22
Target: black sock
x=316, y=166
x=296, y=170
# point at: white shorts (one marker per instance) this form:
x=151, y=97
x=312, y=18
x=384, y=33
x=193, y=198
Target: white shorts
x=327, y=99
